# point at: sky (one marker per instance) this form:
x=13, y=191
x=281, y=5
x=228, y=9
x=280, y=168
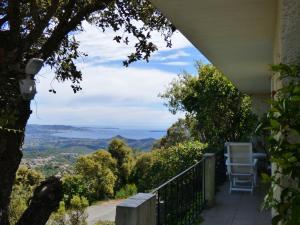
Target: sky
x=113, y=95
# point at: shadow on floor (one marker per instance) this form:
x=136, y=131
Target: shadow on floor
x=238, y=208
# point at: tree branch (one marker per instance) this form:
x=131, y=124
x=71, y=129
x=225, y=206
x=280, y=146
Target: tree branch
x=3, y=20
x=34, y=11
x=14, y=18
x=39, y=27
x=63, y=28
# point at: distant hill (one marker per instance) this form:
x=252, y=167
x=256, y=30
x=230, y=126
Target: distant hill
x=42, y=138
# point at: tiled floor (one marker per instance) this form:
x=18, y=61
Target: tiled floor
x=238, y=208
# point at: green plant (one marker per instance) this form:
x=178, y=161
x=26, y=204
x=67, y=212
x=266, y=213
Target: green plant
x=59, y=217
x=157, y=166
x=122, y=153
x=77, y=213
x=98, y=174
x=26, y=181
x=126, y=191
x=179, y=132
x=283, y=124
x=216, y=111
x=105, y=223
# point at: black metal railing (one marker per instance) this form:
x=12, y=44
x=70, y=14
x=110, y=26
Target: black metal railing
x=181, y=199
x=220, y=170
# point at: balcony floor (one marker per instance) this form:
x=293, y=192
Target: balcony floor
x=238, y=208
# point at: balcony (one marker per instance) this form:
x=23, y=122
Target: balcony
x=198, y=195
x=238, y=208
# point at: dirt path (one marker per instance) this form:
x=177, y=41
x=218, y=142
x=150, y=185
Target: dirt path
x=102, y=211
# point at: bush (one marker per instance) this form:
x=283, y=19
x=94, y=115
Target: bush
x=77, y=214
x=157, y=166
x=126, y=191
x=105, y=223
x=59, y=217
x=122, y=153
x=98, y=173
x=26, y=181
x=219, y=111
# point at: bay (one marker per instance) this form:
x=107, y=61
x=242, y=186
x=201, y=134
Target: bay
x=106, y=133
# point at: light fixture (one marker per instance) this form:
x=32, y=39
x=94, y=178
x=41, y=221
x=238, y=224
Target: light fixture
x=27, y=85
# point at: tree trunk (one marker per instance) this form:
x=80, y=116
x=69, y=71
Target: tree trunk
x=45, y=200
x=10, y=157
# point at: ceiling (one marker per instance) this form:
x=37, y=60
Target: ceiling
x=235, y=35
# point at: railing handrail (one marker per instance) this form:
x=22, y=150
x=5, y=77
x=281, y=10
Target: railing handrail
x=178, y=175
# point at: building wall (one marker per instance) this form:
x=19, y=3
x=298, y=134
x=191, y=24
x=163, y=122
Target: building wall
x=260, y=103
x=286, y=46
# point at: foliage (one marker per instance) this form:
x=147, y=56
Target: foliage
x=77, y=214
x=159, y=165
x=59, y=217
x=126, y=191
x=215, y=109
x=283, y=124
x=122, y=153
x=105, y=223
x=97, y=171
x=26, y=180
x=142, y=171
x=18, y=204
x=179, y=132
x=74, y=184
x=28, y=177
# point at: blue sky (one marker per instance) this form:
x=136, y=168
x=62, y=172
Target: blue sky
x=112, y=95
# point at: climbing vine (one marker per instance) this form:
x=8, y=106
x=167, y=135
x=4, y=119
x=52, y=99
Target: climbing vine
x=283, y=124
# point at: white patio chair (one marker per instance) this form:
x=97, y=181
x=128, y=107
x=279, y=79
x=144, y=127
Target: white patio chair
x=241, y=166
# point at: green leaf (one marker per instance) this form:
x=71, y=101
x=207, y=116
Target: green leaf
x=296, y=90
x=274, y=123
x=295, y=98
x=277, y=136
x=276, y=220
x=292, y=159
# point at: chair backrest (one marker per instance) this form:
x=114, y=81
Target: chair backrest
x=240, y=157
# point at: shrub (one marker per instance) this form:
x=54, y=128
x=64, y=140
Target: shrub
x=126, y=191
x=98, y=172
x=159, y=165
x=77, y=214
x=105, y=223
x=59, y=217
x=122, y=153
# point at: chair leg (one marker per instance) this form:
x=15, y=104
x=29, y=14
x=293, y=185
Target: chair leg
x=230, y=184
x=253, y=183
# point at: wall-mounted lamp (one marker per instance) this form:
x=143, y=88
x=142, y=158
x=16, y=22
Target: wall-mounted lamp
x=27, y=85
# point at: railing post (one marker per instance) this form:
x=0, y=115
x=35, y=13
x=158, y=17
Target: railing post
x=139, y=209
x=209, y=179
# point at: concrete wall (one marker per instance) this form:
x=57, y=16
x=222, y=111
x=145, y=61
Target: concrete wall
x=286, y=46
x=260, y=103
x=287, y=40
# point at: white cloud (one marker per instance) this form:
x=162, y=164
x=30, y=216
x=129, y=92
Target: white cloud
x=177, y=63
x=129, y=117
x=110, y=97
x=100, y=45
x=176, y=55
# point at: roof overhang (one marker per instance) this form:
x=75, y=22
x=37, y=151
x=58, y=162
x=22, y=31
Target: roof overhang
x=235, y=35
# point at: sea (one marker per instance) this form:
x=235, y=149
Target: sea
x=107, y=133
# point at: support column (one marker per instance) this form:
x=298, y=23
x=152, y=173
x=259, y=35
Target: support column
x=209, y=179
x=139, y=209
x=287, y=51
